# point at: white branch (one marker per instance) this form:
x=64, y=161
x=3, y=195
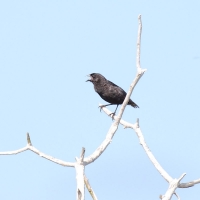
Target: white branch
x=177, y=196
x=139, y=43
x=28, y=139
x=174, y=183
x=14, y=152
x=81, y=162
x=189, y=184
x=82, y=154
x=172, y=187
x=103, y=145
x=33, y=149
x=80, y=181
x=115, y=124
x=90, y=190
x=164, y=174
x=55, y=160
x=144, y=145
x=80, y=169
x=139, y=74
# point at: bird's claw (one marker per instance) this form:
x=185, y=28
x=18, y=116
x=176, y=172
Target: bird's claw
x=101, y=107
x=112, y=115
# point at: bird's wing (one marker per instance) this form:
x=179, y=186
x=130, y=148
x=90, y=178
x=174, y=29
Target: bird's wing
x=111, y=83
x=117, y=91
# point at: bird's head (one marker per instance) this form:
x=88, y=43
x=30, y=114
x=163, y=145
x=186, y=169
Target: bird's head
x=95, y=78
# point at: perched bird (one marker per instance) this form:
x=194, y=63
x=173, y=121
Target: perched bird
x=109, y=92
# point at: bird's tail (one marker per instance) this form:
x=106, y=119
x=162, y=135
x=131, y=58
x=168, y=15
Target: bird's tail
x=133, y=104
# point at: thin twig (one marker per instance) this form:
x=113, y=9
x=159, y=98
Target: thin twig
x=29, y=139
x=90, y=190
x=177, y=196
x=189, y=184
x=33, y=149
x=15, y=151
x=82, y=154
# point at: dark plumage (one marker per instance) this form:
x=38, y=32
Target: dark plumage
x=108, y=91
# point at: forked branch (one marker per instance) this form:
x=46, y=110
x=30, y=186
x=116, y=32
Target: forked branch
x=115, y=124
x=173, y=183
x=33, y=149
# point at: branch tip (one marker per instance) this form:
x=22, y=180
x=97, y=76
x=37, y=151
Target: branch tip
x=139, y=18
x=181, y=177
x=141, y=72
x=29, y=139
x=137, y=123
x=177, y=195
x=82, y=154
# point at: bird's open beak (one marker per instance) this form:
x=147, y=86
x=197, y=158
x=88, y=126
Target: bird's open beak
x=89, y=79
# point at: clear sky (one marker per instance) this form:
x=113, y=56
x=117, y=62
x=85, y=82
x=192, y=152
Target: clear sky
x=46, y=50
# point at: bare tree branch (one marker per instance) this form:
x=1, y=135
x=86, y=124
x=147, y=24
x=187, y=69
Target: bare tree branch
x=55, y=160
x=80, y=171
x=82, y=154
x=115, y=124
x=172, y=187
x=81, y=162
x=33, y=149
x=177, y=196
x=90, y=190
x=144, y=145
x=139, y=74
x=174, y=183
x=139, y=43
x=15, y=151
x=29, y=139
x=189, y=184
x=164, y=174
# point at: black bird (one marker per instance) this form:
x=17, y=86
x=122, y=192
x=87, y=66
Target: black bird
x=109, y=92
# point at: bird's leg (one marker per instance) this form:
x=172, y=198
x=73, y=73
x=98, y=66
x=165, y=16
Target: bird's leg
x=113, y=114
x=105, y=106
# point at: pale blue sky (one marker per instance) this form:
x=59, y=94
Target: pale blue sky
x=46, y=50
